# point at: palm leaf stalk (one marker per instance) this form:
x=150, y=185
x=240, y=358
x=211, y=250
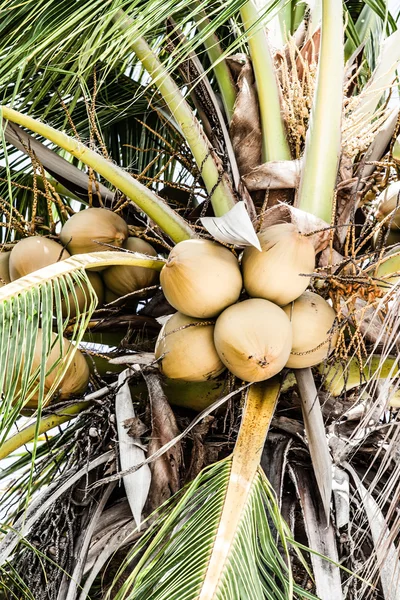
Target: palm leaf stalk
x=322, y=151
x=46, y=423
x=217, y=182
x=274, y=138
x=221, y=70
x=159, y=211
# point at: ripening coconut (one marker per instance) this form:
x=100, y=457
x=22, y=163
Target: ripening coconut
x=389, y=201
x=74, y=381
x=34, y=253
x=312, y=319
x=122, y=280
x=189, y=352
x=87, y=230
x=201, y=278
x=4, y=268
x=109, y=296
x=82, y=296
x=253, y=339
x=276, y=273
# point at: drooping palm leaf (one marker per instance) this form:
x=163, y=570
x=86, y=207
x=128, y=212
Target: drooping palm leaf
x=221, y=537
x=28, y=304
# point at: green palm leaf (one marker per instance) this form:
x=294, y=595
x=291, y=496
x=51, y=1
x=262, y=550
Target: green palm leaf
x=27, y=305
x=224, y=537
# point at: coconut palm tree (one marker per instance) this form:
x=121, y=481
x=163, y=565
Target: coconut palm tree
x=197, y=121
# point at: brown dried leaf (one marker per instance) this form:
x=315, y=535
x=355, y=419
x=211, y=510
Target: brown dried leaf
x=165, y=470
x=274, y=460
x=134, y=427
x=309, y=53
x=245, y=127
x=198, y=455
x=304, y=221
x=320, y=538
x=316, y=435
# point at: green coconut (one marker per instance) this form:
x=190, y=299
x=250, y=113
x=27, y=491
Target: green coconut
x=4, y=268
x=280, y=272
x=312, y=318
x=76, y=378
x=82, y=296
x=91, y=229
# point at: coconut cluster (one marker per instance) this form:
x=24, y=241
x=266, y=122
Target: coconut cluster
x=91, y=230
x=279, y=325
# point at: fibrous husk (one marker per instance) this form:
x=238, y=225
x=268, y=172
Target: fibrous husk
x=82, y=294
x=312, y=319
x=34, y=253
x=186, y=349
x=4, y=268
x=201, y=278
x=278, y=272
x=253, y=339
x=245, y=128
x=123, y=280
x=109, y=296
x=74, y=381
x=91, y=229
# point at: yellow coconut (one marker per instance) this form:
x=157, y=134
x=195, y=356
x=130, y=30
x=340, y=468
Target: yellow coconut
x=312, y=319
x=188, y=350
x=34, y=253
x=253, y=339
x=74, y=381
x=201, y=278
x=276, y=273
x=88, y=231
x=123, y=280
x=4, y=268
x=82, y=295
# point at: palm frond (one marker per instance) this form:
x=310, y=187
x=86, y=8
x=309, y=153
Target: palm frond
x=27, y=305
x=172, y=223
x=223, y=537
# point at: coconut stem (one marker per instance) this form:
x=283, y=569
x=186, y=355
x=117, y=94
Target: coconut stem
x=222, y=73
x=260, y=406
x=323, y=142
x=275, y=144
x=46, y=423
x=216, y=180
